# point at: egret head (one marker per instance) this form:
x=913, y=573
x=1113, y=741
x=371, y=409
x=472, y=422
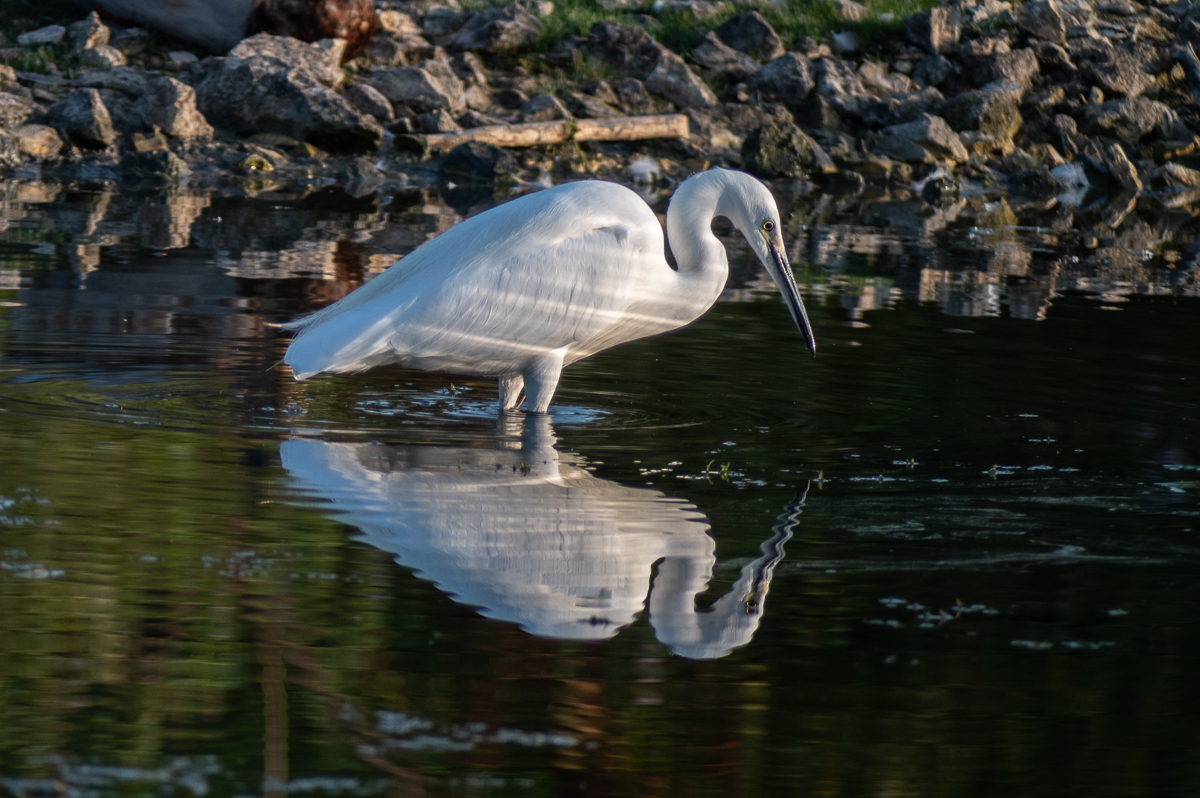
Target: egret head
x=748, y=204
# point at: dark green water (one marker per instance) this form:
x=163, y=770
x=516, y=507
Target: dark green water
x=984, y=491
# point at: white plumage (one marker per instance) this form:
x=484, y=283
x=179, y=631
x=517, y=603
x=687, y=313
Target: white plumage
x=528, y=287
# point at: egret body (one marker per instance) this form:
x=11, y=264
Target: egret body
x=533, y=285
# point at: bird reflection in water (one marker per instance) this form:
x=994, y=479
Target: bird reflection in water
x=528, y=536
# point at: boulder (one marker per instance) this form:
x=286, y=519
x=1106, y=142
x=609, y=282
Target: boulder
x=933, y=30
x=1120, y=169
x=932, y=70
x=1037, y=184
x=673, y=79
x=905, y=107
x=87, y=33
x=368, y=100
x=496, y=30
x=82, y=116
x=170, y=106
x=625, y=46
x=788, y=78
x=420, y=89
x=720, y=57
x=14, y=110
x=320, y=62
x=1016, y=66
x=838, y=83
x=127, y=80
x=475, y=160
x=1128, y=119
x=633, y=97
x=1040, y=18
x=994, y=110
x=10, y=151
x=544, y=108
x=928, y=133
x=440, y=21
x=259, y=94
x=751, y=34
x=587, y=106
x=469, y=69
x=102, y=56
x=1118, y=73
x=784, y=150
x=40, y=142
x=1175, y=174
x=51, y=34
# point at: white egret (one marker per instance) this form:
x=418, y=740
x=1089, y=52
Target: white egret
x=528, y=287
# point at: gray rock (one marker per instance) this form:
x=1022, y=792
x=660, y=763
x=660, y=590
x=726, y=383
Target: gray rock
x=1119, y=74
x=674, y=80
x=420, y=90
x=788, y=78
x=587, y=106
x=10, y=150
x=849, y=10
x=440, y=21
x=478, y=161
x=256, y=95
x=752, y=34
x=838, y=83
x=129, y=81
x=720, y=57
x=929, y=133
x=469, y=69
x=475, y=119
x=625, y=46
x=633, y=97
x=130, y=41
x=102, y=56
x=322, y=64
x=994, y=110
x=1128, y=119
x=496, y=30
x=14, y=110
x=170, y=106
x=783, y=150
x=437, y=121
x=544, y=108
x=933, y=30
x=1017, y=66
x=693, y=10
x=1120, y=169
x=932, y=70
x=1040, y=18
x=905, y=107
x=1053, y=56
x=83, y=117
x=51, y=34
x=368, y=100
x=87, y=33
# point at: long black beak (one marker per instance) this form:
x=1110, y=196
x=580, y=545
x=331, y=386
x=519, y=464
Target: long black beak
x=791, y=295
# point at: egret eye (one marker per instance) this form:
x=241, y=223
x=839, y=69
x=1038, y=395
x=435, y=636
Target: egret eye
x=768, y=225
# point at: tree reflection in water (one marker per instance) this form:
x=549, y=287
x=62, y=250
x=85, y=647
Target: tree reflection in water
x=526, y=534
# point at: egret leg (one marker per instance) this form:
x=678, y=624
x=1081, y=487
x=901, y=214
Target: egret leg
x=511, y=386
x=541, y=379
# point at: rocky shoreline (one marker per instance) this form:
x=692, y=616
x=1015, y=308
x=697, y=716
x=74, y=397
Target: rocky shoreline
x=1086, y=103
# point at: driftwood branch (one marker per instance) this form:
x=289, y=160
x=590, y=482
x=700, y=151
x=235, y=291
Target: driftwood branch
x=624, y=128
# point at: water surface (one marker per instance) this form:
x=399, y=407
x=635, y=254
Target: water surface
x=954, y=554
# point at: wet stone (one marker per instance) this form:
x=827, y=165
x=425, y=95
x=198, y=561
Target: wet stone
x=475, y=160
x=158, y=167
